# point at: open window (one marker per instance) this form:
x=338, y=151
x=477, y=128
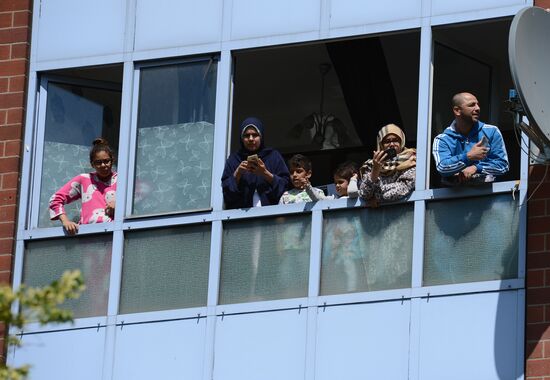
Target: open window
x=328, y=100
x=473, y=57
x=80, y=105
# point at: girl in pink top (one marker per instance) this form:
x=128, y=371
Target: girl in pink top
x=96, y=190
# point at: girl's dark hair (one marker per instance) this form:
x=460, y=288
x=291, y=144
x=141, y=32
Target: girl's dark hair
x=100, y=145
x=346, y=170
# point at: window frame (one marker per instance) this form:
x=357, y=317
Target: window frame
x=132, y=146
x=39, y=138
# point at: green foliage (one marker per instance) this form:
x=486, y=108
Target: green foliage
x=37, y=305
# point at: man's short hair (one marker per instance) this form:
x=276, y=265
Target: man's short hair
x=300, y=161
x=458, y=99
x=346, y=170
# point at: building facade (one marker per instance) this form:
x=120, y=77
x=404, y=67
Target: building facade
x=178, y=286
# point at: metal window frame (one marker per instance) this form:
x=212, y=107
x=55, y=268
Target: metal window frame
x=39, y=139
x=133, y=131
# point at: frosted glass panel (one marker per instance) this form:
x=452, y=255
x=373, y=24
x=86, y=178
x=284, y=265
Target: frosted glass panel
x=75, y=116
x=46, y=260
x=175, y=138
x=265, y=259
x=367, y=249
x=165, y=269
x=474, y=239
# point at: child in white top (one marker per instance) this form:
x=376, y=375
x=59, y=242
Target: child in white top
x=345, y=179
x=300, y=173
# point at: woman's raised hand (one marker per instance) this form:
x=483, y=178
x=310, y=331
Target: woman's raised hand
x=378, y=158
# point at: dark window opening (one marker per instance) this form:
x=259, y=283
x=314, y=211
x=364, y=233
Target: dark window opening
x=328, y=100
x=473, y=57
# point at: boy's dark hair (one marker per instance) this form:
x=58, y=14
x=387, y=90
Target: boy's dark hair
x=346, y=170
x=300, y=161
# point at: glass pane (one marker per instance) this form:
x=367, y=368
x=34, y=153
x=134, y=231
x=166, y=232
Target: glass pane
x=367, y=249
x=46, y=260
x=75, y=116
x=175, y=138
x=265, y=259
x=165, y=269
x=473, y=239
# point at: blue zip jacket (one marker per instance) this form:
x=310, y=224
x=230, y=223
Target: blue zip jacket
x=450, y=149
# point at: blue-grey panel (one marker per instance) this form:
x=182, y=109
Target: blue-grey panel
x=263, y=18
x=441, y=7
x=174, y=23
x=267, y=346
x=74, y=29
x=70, y=355
x=469, y=337
x=345, y=13
x=160, y=350
x=456, y=245
x=353, y=341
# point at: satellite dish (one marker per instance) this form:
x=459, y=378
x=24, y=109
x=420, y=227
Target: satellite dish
x=529, y=55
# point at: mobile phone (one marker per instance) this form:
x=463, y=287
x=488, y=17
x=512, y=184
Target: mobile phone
x=390, y=153
x=484, y=141
x=252, y=158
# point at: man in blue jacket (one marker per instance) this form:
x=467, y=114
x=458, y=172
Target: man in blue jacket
x=469, y=151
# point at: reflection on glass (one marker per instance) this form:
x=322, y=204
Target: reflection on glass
x=175, y=138
x=46, y=260
x=165, y=269
x=367, y=249
x=474, y=239
x=265, y=259
x=75, y=116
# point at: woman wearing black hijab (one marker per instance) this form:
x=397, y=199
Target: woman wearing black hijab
x=255, y=175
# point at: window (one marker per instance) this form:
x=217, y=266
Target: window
x=175, y=133
x=265, y=259
x=328, y=100
x=165, y=269
x=76, y=113
x=46, y=260
x=463, y=245
x=460, y=65
x=365, y=250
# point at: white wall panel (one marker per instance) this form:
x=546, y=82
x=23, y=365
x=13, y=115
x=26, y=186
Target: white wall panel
x=267, y=346
x=441, y=7
x=63, y=355
x=469, y=337
x=160, y=350
x=263, y=18
x=345, y=13
x=75, y=29
x=173, y=23
x=354, y=341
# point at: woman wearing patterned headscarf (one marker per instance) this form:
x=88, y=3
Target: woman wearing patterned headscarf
x=390, y=174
